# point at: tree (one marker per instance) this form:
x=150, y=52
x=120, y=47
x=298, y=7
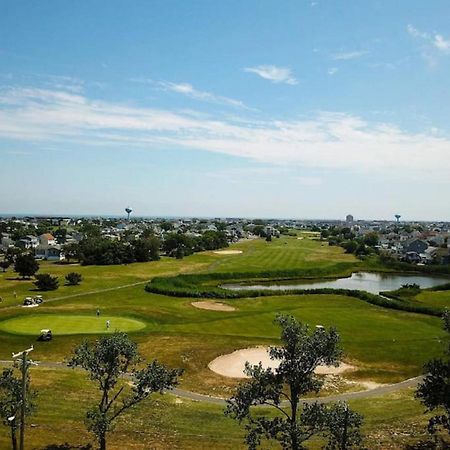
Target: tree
x=299, y=355
x=434, y=390
x=371, y=239
x=73, y=278
x=146, y=249
x=4, y=265
x=46, y=282
x=11, y=401
x=344, y=427
x=70, y=251
x=26, y=265
x=107, y=360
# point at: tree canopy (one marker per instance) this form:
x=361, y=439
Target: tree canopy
x=107, y=361
x=281, y=388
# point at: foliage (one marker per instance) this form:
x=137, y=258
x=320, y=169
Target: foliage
x=434, y=391
x=182, y=244
x=26, y=265
x=5, y=264
x=107, y=360
x=71, y=251
x=146, y=249
x=46, y=282
x=299, y=355
x=73, y=278
x=11, y=401
x=103, y=251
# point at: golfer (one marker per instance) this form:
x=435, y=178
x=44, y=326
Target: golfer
x=108, y=323
x=98, y=312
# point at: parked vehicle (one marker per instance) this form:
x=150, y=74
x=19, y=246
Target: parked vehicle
x=46, y=335
x=28, y=301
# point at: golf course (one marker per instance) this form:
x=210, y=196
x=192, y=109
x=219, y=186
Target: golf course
x=382, y=345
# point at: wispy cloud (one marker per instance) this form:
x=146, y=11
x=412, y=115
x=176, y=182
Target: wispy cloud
x=432, y=44
x=332, y=71
x=441, y=44
x=188, y=90
x=344, y=56
x=275, y=74
x=325, y=141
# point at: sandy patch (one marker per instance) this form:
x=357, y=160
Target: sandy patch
x=30, y=306
x=213, y=306
x=300, y=238
x=228, y=252
x=233, y=364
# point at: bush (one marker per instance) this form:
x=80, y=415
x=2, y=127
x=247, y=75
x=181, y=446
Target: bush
x=73, y=278
x=46, y=282
x=26, y=265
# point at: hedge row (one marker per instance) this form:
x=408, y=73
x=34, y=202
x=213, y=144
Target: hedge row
x=194, y=286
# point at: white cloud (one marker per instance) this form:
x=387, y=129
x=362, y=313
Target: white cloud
x=442, y=44
x=273, y=73
x=432, y=44
x=189, y=90
x=416, y=33
x=332, y=70
x=324, y=141
x=344, y=56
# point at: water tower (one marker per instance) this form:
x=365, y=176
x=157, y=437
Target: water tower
x=128, y=211
x=397, y=216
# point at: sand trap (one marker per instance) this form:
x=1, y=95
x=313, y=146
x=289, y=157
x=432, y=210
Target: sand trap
x=233, y=364
x=228, y=252
x=213, y=306
x=300, y=238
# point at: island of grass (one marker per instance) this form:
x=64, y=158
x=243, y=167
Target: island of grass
x=66, y=324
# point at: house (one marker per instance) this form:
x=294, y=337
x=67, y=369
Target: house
x=6, y=241
x=47, y=239
x=415, y=245
x=28, y=242
x=412, y=257
x=49, y=252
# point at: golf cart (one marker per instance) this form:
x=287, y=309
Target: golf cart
x=38, y=299
x=28, y=301
x=46, y=335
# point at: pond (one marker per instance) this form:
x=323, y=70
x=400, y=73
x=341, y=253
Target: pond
x=363, y=281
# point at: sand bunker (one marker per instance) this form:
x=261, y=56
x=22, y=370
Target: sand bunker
x=213, y=306
x=233, y=364
x=228, y=252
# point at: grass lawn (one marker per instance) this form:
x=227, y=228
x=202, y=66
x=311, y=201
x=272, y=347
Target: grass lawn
x=386, y=345
x=437, y=299
x=167, y=422
x=69, y=324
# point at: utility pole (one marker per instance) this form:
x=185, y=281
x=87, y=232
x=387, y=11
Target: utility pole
x=24, y=364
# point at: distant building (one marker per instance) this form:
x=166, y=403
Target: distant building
x=349, y=219
x=47, y=239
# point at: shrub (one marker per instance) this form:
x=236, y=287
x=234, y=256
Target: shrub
x=46, y=282
x=73, y=278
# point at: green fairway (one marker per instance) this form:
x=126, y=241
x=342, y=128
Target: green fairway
x=384, y=345
x=69, y=324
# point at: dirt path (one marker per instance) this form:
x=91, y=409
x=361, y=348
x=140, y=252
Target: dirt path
x=378, y=391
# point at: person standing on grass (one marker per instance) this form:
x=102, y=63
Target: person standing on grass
x=98, y=312
x=108, y=323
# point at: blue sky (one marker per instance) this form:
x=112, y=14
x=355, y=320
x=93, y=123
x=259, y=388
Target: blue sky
x=305, y=109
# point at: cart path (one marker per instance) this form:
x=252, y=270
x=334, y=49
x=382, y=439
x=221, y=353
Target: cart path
x=82, y=294
x=375, y=392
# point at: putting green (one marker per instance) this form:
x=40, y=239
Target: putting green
x=69, y=324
